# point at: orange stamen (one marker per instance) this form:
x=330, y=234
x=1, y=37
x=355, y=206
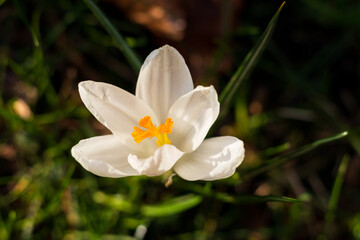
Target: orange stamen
x=152, y=131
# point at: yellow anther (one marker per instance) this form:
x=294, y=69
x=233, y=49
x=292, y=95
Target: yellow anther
x=151, y=131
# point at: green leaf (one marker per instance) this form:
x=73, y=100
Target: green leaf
x=298, y=152
x=172, y=206
x=129, y=54
x=229, y=93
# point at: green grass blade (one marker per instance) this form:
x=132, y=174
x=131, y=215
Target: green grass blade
x=26, y=22
x=298, y=152
x=335, y=193
x=334, y=198
x=228, y=94
x=173, y=206
x=206, y=191
x=129, y=54
x=270, y=198
x=242, y=199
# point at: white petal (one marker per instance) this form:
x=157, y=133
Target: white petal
x=193, y=114
x=163, y=160
x=216, y=158
x=163, y=78
x=105, y=156
x=115, y=108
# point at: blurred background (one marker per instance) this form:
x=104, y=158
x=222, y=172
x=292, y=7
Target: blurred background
x=304, y=88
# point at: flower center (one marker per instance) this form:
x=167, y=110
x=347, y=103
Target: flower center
x=151, y=131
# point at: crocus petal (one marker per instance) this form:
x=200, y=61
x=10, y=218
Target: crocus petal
x=115, y=108
x=163, y=78
x=216, y=158
x=193, y=114
x=104, y=156
x=163, y=160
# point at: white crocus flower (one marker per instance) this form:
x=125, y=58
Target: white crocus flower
x=159, y=129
